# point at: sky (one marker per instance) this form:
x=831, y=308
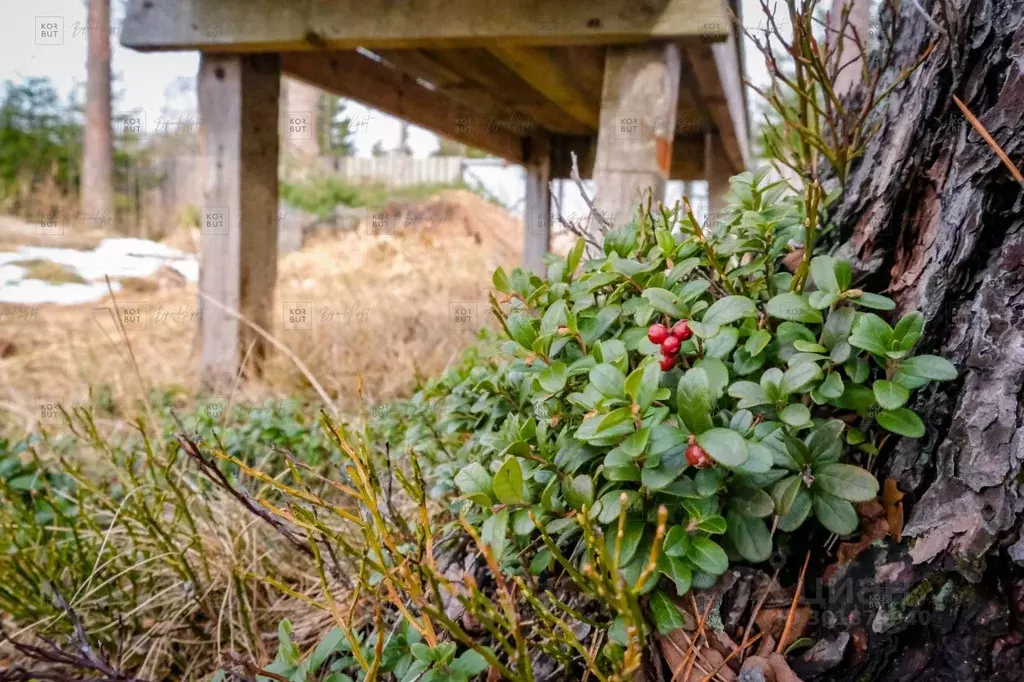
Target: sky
x=162, y=84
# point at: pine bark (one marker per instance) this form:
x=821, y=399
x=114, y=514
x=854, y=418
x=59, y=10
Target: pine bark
x=933, y=216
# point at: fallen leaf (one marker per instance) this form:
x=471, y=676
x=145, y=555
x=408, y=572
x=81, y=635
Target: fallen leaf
x=873, y=526
x=772, y=621
x=891, y=498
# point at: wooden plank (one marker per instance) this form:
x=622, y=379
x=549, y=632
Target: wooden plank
x=238, y=106
x=503, y=106
x=687, y=156
x=378, y=85
x=639, y=100
x=719, y=77
x=539, y=67
x=279, y=25
x=537, y=213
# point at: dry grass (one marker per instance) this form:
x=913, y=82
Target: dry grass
x=48, y=271
x=386, y=307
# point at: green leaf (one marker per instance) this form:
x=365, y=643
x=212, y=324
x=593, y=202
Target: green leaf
x=749, y=394
x=722, y=343
x=608, y=380
x=572, y=261
x=928, y=367
x=757, y=341
x=474, y=482
x=677, y=542
x=784, y=493
x=664, y=301
x=832, y=387
x=795, y=414
x=331, y=643
x=494, y=532
x=837, y=326
x=890, y=395
x=793, y=307
x=797, y=513
x=871, y=333
x=714, y=525
x=706, y=555
x=508, y=482
x=693, y=400
x=667, y=616
x=750, y=537
x=847, y=482
x=836, y=514
x=724, y=446
x=630, y=539
x=729, y=309
x=750, y=500
x=824, y=275
x=542, y=561
x=521, y=329
x=580, y=492
x=500, y=281
x=677, y=571
x=875, y=301
x=799, y=377
x=470, y=664
x=908, y=330
x=552, y=379
x=901, y=421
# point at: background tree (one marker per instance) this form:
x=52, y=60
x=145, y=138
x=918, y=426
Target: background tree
x=335, y=129
x=98, y=159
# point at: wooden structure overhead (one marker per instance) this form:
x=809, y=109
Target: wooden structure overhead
x=642, y=91
x=494, y=74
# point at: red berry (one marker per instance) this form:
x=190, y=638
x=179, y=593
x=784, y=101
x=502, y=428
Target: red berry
x=667, y=362
x=681, y=330
x=657, y=334
x=670, y=346
x=696, y=456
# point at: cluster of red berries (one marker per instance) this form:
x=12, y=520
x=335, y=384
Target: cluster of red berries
x=670, y=340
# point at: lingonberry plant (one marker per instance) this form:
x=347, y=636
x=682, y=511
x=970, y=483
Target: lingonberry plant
x=682, y=372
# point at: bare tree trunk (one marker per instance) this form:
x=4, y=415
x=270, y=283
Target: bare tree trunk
x=98, y=154
x=934, y=216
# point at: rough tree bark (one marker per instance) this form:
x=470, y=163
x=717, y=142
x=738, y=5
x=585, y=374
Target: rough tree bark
x=933, y=215
x=98, y=154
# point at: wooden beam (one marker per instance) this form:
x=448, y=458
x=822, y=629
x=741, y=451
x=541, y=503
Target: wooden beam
x=687, y=156
x=522, y=115
x=376, y=84
x=537, y=213
x=539, y=67
x=238, y=106
x=280, y=25
x=719, y=77
x=639, y=101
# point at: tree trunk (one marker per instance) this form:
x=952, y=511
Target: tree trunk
x=98, y=154
x=932, y=214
